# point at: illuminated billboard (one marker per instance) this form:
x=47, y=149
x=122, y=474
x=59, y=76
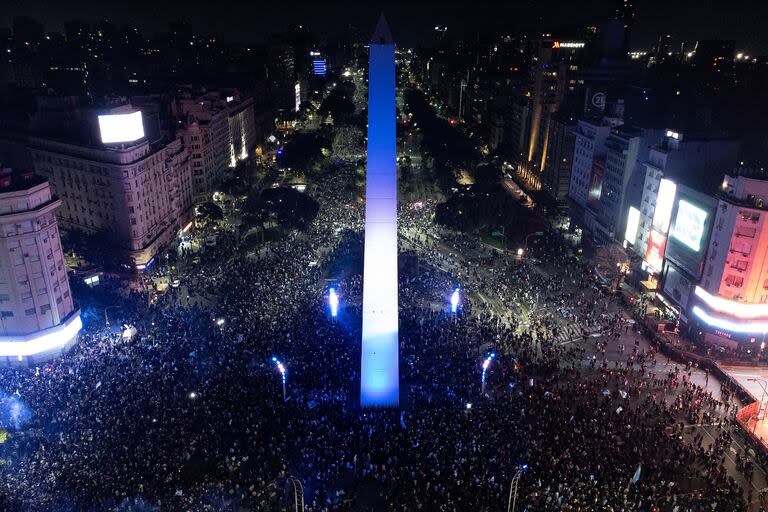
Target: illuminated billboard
x=690, y=230
x=633, y=223
x=689, y=225
x=654, y=255
x=665, y=201
x=121, y=127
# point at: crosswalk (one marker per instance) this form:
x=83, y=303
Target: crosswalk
x=571, y=331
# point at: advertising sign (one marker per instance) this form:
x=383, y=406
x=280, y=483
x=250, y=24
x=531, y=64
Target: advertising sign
x=654, y=255
x=689, y=225
x=121, y=127
x=665, y=201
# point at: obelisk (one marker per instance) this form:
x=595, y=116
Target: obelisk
x=379, y=372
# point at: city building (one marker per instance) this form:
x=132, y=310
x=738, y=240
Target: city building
x=626, y=149
x=731, y=302
x=588, y=167
x=138, y=193
x=38, y=318
x=698, y=161
x=218, y=130
x=556, y=177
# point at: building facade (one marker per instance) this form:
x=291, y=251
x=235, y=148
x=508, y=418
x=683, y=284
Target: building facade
x=138, y=193
x=219, y=130
x=731, y=303
x=38, y=318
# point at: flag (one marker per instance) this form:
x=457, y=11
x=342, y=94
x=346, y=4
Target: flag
x=636, y=476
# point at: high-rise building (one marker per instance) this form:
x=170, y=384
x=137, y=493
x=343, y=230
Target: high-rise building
x=138, y=193
x=588, y=157
x=556, y=177
x=626, y=151
x=38, y=318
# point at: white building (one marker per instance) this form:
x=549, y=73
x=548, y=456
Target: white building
x=589, y=147
x=139, y=193
x=218, y=129
x=38, y=318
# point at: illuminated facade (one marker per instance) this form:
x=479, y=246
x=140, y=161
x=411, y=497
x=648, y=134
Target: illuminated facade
x=37, y=315
x=379, y=385
x=219, y=131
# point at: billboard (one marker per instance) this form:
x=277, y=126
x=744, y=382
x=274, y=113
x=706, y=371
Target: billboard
x=121, y=127
x=689, y=225
x=665, y=201
x=654, y=255
x=596, y=182
x=693, y=216
x=677, y=286
x=633, y=223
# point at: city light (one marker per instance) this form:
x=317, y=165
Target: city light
x=193, y=395
x=486, y=365
x=333, y=300
x=455, y=300
x=220, y=322
x=520, y=251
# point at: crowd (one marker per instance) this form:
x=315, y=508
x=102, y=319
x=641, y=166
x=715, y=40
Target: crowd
x=189, y=414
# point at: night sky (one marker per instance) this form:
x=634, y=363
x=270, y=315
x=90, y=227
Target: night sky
x=253, y=20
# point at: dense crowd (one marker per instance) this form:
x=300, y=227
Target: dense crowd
x=190, y=415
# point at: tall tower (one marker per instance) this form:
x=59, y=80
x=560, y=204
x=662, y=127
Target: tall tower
x=379, y=372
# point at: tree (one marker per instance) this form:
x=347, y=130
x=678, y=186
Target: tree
x=338, y=104
x=209, y=212
x=301, y=151
x=487, y=173
x=288, y=207
x=99, y=249
x=347, y=142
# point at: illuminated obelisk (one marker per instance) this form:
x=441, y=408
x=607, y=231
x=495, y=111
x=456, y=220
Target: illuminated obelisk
x=379, y=372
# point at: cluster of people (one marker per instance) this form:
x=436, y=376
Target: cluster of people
x=193, y=412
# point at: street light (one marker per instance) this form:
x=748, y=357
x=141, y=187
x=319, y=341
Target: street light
x=281, y=369
x=513, y=488
x=298, y=494
x=333, y=300
x=106, y=319
x=454, y=300
x=486, y=364
x=535, y=233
